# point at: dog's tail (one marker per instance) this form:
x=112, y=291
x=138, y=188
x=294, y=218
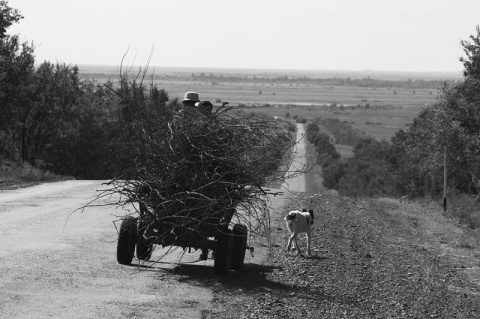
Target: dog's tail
x=311, y=214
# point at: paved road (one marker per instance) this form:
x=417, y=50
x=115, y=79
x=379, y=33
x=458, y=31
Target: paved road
x=54, y=264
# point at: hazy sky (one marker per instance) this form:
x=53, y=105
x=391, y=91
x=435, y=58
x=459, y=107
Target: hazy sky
x=389, y=35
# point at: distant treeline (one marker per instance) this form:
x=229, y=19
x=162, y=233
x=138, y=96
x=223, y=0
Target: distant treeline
x=305, y=80
x=217, y=78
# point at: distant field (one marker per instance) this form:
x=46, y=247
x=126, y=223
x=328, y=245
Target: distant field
x=301, y=94
x=380, y=123
x=379, y=112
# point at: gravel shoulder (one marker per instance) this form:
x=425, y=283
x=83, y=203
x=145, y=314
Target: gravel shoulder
x=372, y=259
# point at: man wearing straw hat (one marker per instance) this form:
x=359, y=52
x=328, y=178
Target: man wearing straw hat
x=192, y=99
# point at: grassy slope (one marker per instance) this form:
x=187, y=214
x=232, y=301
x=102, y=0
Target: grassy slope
x=19, y=175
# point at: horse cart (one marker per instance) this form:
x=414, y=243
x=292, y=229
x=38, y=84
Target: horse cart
x=188, y=174
x=139, y=236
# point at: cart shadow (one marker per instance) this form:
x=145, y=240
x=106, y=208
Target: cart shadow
x=252, y=278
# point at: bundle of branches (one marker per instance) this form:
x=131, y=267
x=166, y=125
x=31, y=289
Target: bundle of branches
x=193, y=171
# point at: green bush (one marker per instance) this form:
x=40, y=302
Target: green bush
x=17, y=173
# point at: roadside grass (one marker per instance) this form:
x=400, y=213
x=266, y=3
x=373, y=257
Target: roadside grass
x=465, y=208
x=426, y=216
x=15, y=175
x=458, y=226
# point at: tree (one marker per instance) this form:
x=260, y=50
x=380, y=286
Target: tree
x=16, y=70
x=366, y=173
x=472, y=60
x=8, y=16
x=416, y=156
x=50, y=125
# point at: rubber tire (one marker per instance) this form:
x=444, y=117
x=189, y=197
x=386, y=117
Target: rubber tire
x=223, y=252
x=127, y=237
x=240, y=236
x=144, y=250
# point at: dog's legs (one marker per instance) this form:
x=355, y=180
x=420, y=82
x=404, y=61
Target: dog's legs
x=308, y=242
x=290, y=241
x=293, y=240
x=296, y=245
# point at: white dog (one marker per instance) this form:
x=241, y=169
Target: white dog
x=299, y=222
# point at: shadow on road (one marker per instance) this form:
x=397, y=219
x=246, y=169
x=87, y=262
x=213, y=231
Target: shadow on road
x=252, y=278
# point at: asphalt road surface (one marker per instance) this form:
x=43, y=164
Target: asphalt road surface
x=59, y=264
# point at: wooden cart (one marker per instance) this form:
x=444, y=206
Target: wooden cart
x=139, y=236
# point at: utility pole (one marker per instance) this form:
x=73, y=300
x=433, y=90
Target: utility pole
x=445, y=179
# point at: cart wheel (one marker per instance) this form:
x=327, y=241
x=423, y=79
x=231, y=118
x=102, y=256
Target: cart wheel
x=144, y=249
x=127, y=236
x=240, y=234
x=223, y=252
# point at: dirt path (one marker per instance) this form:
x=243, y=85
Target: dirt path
x=57, y=265
x=297, y=183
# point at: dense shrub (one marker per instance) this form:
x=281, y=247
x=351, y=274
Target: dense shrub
x=364, y=174
x=342, y=132
x=465, y=208
x=326, y=151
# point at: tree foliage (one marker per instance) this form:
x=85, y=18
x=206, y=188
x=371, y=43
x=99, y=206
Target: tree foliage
x=341, y=132
x=416, y=156
x=471, y=62
x=364, y=175
x=8, y=16
x=325, y=150
x=16, y=81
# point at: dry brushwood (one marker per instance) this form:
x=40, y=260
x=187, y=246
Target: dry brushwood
x=189, y=172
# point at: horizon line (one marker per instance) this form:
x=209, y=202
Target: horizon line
x=458, y=72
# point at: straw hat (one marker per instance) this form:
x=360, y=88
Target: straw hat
x=191, y=96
